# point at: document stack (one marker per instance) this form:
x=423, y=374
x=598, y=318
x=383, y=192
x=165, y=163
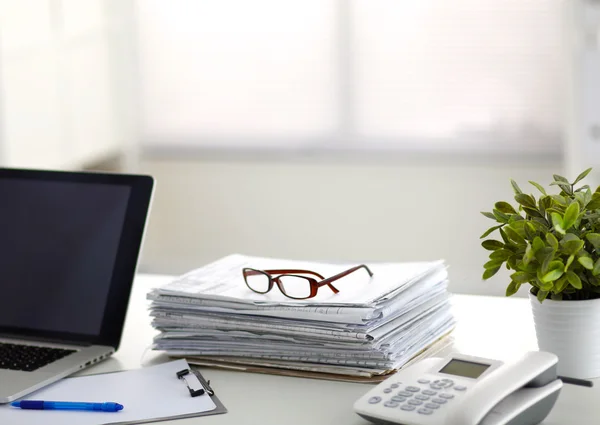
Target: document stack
x=370, y=328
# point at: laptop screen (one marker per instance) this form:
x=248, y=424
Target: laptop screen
x=58, y=248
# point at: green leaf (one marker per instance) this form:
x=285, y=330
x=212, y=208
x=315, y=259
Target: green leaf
x=522, y=277
x=586, y=262
x=570, y=215
x=529, y=255
x=559, y=178
x=552, y=241
x=594, y=204
x=546, y=264
x=492, y=245
x=504, y=237
x=574, y=280
x=492, y=264
x=490, y=230
x=500, y=216
x=557, y=221
x=564, y=186
x=561, y=284
x=594, y=239
x=596, y=270
x=542, y=254
x=539, y=187
x=541, y=295
x=490, y=272
x=533, y=212
x=513, y=288
x=516, y=187
x=580, y=197
x=569, y=262
x=526, y=200
x=505, y=207
x=560, y=199
x=582, y=176
x=514, y=236
x=572, y=247
x=538, y=243
x=501, y=255
x=556, y=270
x=488, y=215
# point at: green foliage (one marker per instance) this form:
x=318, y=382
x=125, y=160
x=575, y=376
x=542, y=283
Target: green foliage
x=551, y=243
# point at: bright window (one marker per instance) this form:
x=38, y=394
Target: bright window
x=461, y=75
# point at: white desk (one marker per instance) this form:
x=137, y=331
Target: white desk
x=500, y=328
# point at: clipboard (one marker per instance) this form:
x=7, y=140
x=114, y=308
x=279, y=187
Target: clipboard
x=150, y=394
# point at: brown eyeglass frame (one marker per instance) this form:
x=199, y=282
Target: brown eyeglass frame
x=314, y=283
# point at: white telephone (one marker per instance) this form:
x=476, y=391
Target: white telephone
x=467, y=390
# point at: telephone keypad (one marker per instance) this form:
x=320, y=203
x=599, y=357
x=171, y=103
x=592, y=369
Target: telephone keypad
x=421, y=400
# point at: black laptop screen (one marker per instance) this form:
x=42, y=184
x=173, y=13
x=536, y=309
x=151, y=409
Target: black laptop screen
x=58, y=247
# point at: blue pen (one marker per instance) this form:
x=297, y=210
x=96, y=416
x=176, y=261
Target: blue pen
x=67, y=405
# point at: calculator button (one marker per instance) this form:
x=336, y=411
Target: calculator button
x=422, y=397
x=374, y=400
x=425, y=411
x=423, y=381
x=394, y=385
x=387, y=390
x=439, y=400
x=415, y=402
x=404, y=394
x=413, y=389
x=460, y=387
x=429, y=392
x=398, y=399
x=390, y=404
x=407, y=407
x=432, y=406
x=446, y=396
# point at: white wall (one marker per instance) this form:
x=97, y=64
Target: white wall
x=351, y=210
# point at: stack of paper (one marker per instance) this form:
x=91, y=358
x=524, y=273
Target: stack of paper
x=373, y=326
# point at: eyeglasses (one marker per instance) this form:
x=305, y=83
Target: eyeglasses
x=291, y=282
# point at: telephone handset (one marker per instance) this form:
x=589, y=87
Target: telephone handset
x=466, y=390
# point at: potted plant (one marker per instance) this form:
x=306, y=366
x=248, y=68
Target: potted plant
x=552, y=243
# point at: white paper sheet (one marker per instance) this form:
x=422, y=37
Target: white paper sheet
x=148, y=393
x=223, y=280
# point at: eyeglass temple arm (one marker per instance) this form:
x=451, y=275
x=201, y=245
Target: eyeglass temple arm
x=294, y=271
x=342, y=274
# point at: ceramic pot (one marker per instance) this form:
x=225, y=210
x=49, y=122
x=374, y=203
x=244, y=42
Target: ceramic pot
x=571, y=330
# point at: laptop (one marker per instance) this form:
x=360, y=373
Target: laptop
x=69, y=246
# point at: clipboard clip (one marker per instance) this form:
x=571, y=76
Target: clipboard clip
x=195, y=382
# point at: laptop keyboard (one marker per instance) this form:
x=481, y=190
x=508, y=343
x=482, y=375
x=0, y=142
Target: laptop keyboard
x=28, y=357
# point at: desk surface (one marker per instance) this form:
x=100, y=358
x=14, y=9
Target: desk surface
x=493, y=327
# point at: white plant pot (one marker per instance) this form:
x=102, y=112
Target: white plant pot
x=571, y=330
